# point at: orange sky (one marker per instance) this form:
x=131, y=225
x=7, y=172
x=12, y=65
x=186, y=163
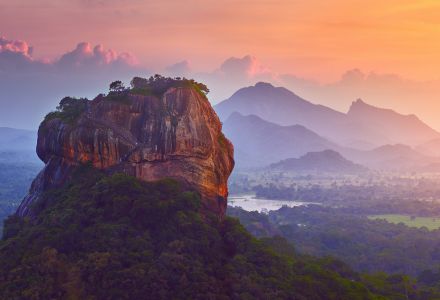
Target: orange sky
x=319, y=39
x=314, y=38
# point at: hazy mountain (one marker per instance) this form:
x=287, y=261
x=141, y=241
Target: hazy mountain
x=18, y=146
x=391, y=157
x=431, y=148
x=403, y=129
x=323, y=161
x=275, y=104
x=17, y=139
x=258, y=142
x=364, y=127
x=434, y=168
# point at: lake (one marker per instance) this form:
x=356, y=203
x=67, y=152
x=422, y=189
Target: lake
x=250, y=203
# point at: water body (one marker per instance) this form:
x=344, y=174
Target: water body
x=250, y=203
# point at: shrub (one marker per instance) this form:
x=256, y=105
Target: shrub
x=68, y=110
x=157, y=85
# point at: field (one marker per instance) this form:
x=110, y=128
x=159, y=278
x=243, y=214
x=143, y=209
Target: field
x=431, y=223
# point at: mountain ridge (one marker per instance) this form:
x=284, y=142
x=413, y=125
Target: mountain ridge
x=405, y=129
x=322, y=161
x=283, y=107
x=17, y=139
x=258, y=142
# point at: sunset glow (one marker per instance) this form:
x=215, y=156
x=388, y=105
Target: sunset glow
x=318, y=39
x=315, y=38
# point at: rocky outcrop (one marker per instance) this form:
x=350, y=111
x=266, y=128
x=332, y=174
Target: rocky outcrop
x=175, y=135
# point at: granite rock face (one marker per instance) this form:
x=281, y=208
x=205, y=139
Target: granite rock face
x=177, y=135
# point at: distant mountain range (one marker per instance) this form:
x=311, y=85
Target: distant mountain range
x=17, y=139
x=323, y=161
x=259, y=143
x=391, y=157
x=398, y=128
x=18, y=146
x=431, y=148
x=363, y=127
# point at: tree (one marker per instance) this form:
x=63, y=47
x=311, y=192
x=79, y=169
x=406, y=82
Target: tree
x=117, y=86
x=139, y=83
x=202, y=87
x=66, y=103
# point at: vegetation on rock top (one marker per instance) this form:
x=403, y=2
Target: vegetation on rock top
x=155, y=85
x=68, y=110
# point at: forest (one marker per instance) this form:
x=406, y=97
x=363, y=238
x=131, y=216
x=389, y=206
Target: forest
x=98, y=229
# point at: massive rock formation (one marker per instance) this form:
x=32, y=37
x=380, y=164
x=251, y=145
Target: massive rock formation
x=173, y=135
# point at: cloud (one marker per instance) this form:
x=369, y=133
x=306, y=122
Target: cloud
x=15, y=46
x=29, y=87
x=16, y=56
x=233, y=74
x=84, y=56
x=353, y=76
x=180, y=69
x=245, y=67
x=357, y=78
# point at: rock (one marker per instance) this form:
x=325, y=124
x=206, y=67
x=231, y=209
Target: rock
x=177, y=135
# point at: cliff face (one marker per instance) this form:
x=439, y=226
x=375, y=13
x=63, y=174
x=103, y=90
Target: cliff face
x=177, y=135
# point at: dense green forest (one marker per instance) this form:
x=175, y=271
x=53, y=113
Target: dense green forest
x=116, y=237
x=370, y=246
x=17, y=170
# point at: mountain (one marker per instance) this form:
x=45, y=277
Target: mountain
x=283, y=107
x=396, y=157
x=323, y=161
x=18, y=145
x=431, y=148
x=17, y=139
x=402, y=129
x=259, y=143
x=149, y=132
x=431, y=168
x=363, y=127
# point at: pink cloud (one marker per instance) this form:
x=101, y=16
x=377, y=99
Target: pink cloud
x=15, y=46
x=248, y=66
x=182, y=68
x=38, y=85
x=85, y=55
x=16, y=55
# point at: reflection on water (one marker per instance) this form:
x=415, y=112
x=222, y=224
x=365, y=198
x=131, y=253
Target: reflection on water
x=250, y=203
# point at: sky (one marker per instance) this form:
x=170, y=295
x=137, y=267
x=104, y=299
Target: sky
x=327, y=51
